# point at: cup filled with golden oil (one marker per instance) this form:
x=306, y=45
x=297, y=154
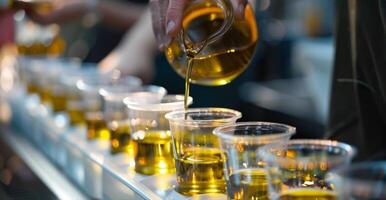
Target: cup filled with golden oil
x=91, y=102
x=56, y=94
x=116, y=115
x=199, y=159
x=244, y=172
x=34, y=39
x=70, y=96
x=298, y=170
x=45, y=73
x=217, y=45
x=96, y=126
x=150, y=131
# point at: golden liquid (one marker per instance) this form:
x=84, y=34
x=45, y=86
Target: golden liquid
x=200, y=170
x=120, y=138
x=154, y=152
x=307, y=194
x=96, y=127
x=187, y=83
x=76, y=115
x=45, y=95
x=248, y=184
x=59, y=103
x=220, y=62
x=55, y=48
x=32, y=88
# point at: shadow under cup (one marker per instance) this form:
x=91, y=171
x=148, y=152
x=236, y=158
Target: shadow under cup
x=199, y=159
x=246, y=178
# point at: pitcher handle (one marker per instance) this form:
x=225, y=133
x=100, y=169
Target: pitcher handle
x=227, y=9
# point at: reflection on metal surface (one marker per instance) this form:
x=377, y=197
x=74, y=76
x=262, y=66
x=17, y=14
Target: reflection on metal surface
x=55, y=180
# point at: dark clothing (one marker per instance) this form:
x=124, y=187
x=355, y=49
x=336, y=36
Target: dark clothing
x=358, y=104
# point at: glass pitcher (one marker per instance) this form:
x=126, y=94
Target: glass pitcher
x=220, y=44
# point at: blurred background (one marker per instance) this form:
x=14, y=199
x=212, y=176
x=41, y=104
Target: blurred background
x=288, y=80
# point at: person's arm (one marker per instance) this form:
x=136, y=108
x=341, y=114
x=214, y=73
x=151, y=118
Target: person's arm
x=135, y=54
x=112, y=13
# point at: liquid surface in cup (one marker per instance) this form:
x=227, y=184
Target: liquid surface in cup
x=96, y=127
x=200, y=170
x=154, y=152
x=221, y=61
x=76, y=116
x=248, y=184
x=120, y=138
x=32, y=88
x=307, y=194
x=59, y=103
x=45, y=95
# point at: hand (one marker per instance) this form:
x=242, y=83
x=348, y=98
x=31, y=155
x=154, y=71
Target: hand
x=167, y=18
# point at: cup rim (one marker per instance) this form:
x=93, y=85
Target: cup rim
x=222, y=133
x=264, y=153
x=171, y=116
x=110, y=92
x=157, y=107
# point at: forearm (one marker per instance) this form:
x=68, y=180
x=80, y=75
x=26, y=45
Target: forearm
x=136, y=51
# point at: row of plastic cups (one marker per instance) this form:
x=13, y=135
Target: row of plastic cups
x=263, y=164
x=199, y=151
x=260, y=160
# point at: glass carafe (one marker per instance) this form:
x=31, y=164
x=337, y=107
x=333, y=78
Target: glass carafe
x=220, y=44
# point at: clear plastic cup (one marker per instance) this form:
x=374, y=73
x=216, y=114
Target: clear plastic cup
x=150, y=131
x=364, y=181
x=116, y=116
x=199, y=159
x=298, y=169
x=244, y=172
x=69, y=96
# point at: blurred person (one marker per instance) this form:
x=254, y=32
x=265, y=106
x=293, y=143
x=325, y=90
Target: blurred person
x=358, y=100
x=117, y=14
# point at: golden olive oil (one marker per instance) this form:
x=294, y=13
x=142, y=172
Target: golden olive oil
x=59, y=103
x=307, y=194
x=32, y=88
x=120, y=138
x=96, y=126
x=248, y=184
x=154, y=152
x=220, y=62
x=200, y=170
x=76, y=113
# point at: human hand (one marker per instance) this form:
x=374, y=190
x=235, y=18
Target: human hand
x=167, y=18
